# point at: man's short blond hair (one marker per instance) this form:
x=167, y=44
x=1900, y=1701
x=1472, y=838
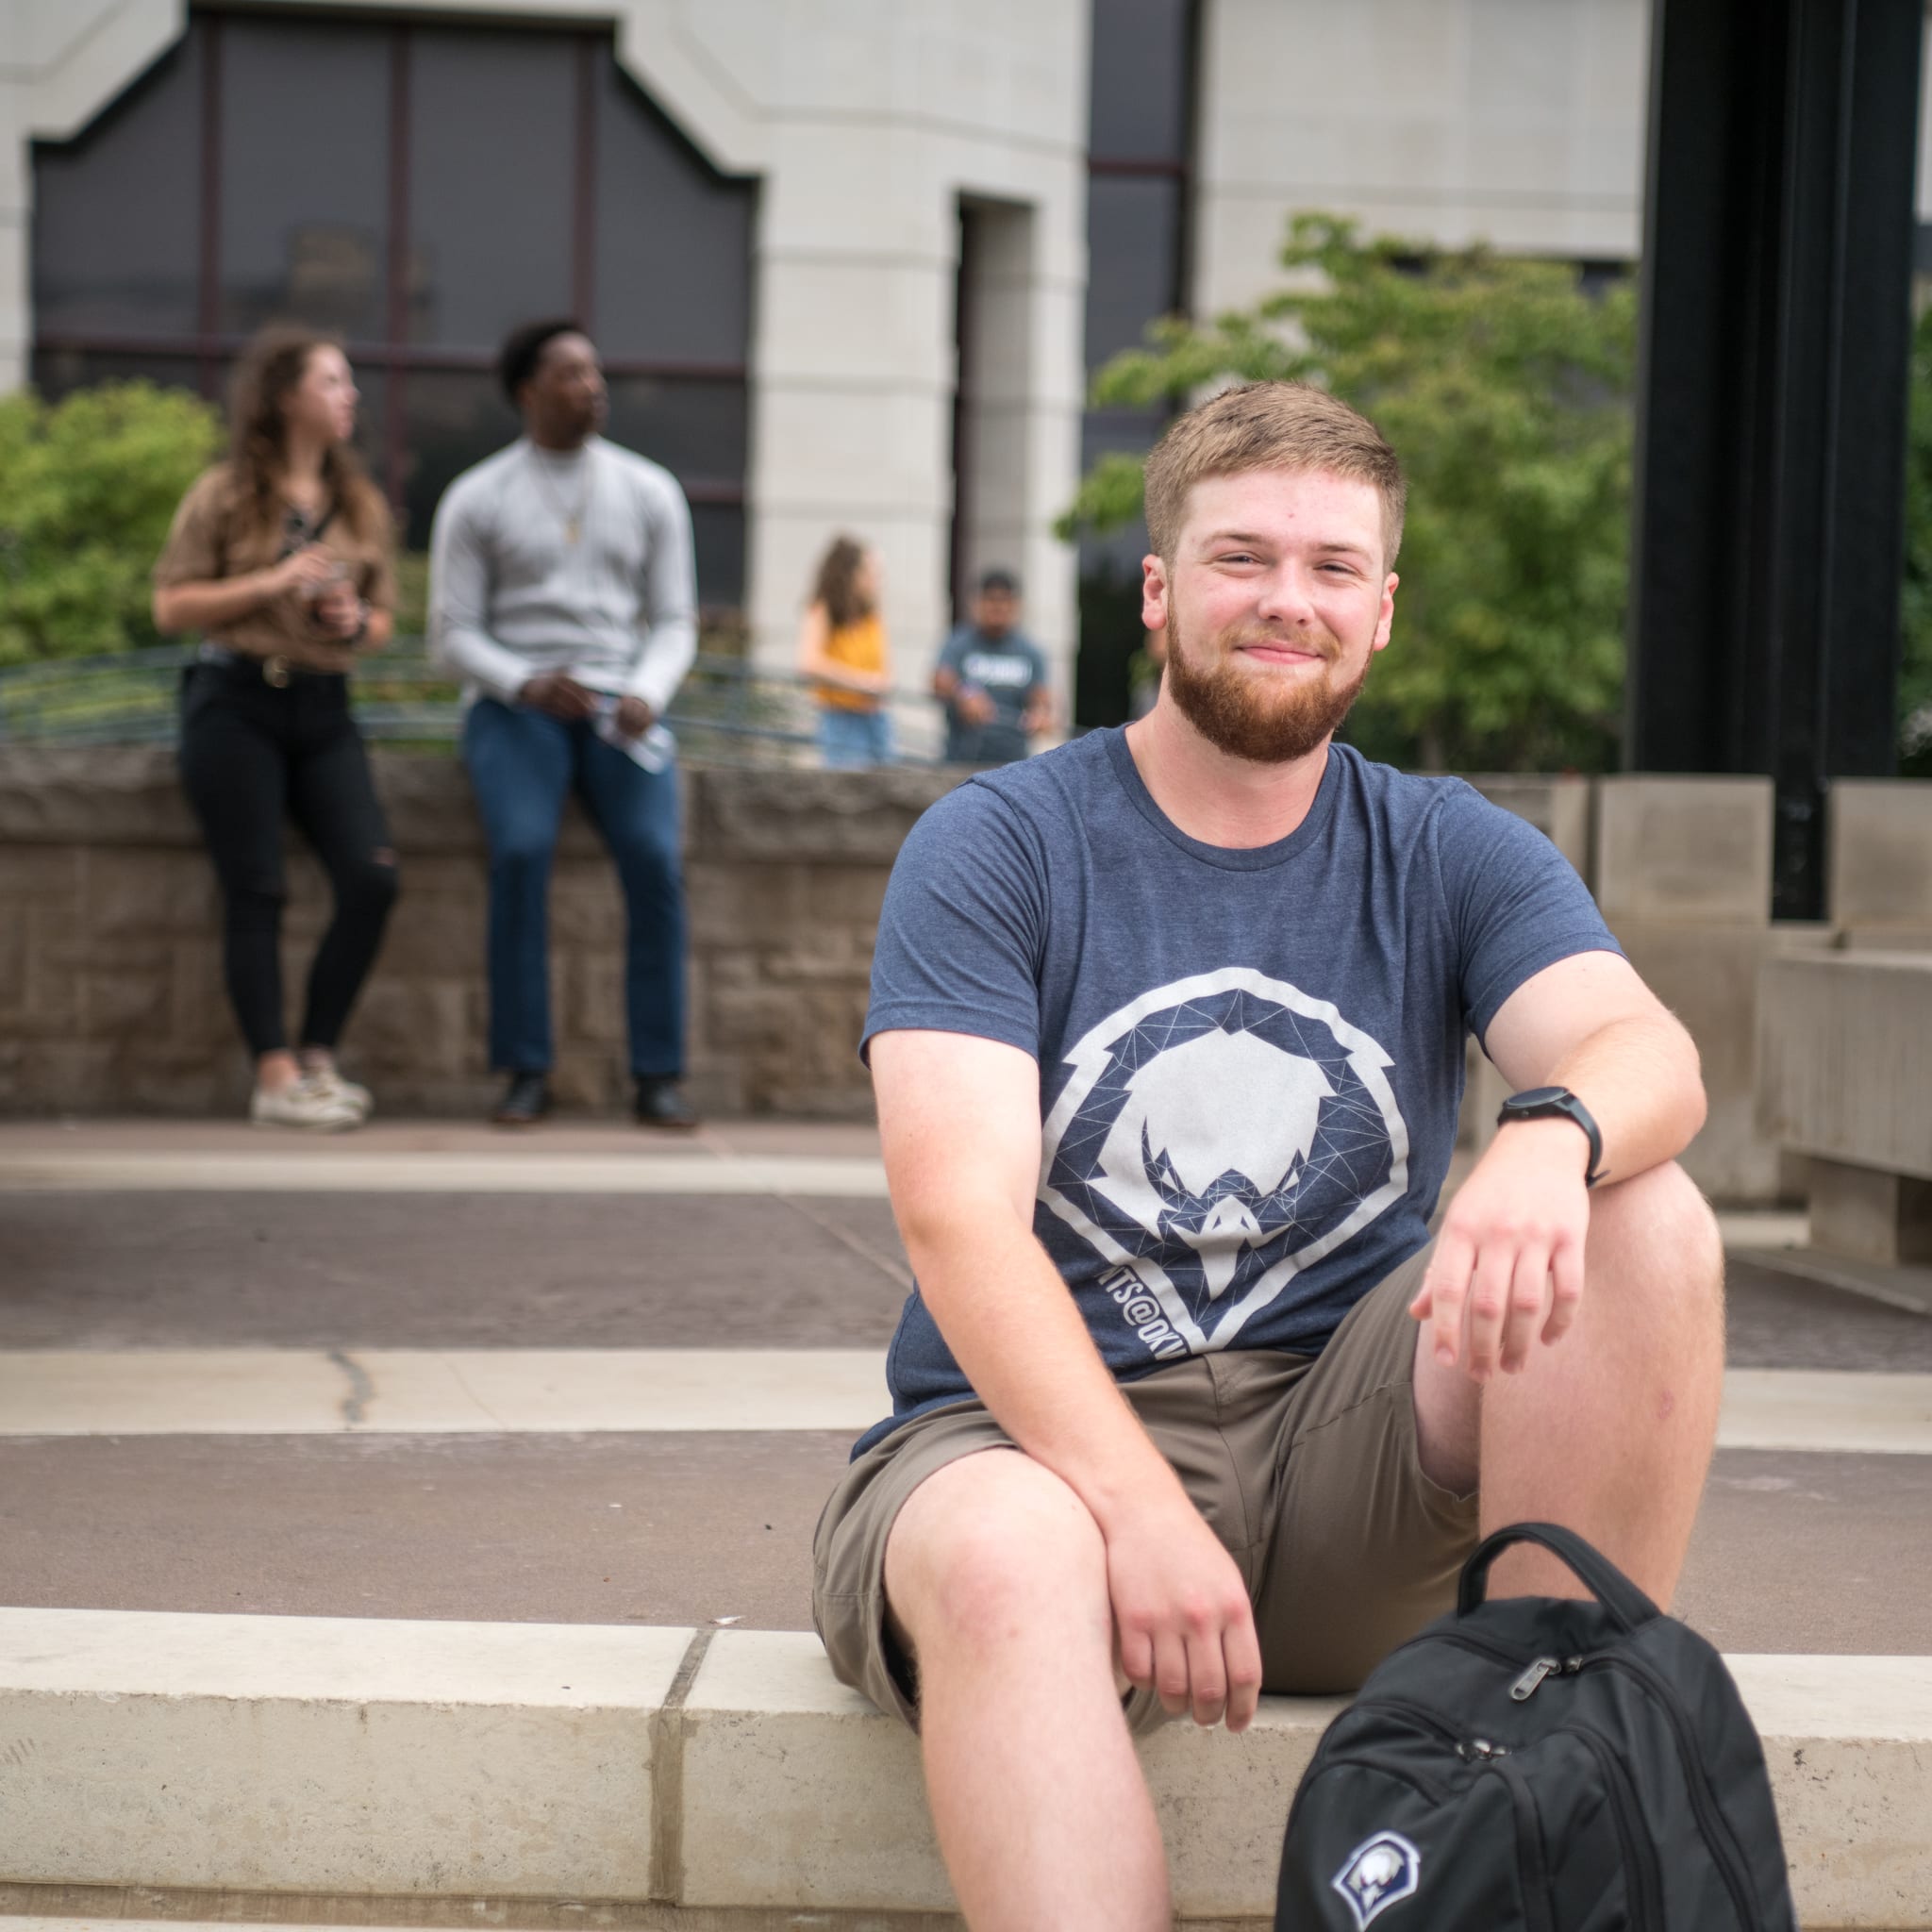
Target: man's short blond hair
x=1269, y=425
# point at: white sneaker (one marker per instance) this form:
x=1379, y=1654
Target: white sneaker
x=347, y=1092
x=304, y=1103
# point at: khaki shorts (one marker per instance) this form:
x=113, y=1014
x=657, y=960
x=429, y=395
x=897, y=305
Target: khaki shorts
x=1306, y=1470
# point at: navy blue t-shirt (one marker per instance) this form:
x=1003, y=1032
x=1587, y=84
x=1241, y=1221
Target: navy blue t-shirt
x=1250, y=1062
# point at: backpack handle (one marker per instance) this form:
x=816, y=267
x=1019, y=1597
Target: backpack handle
x=1613, y=1588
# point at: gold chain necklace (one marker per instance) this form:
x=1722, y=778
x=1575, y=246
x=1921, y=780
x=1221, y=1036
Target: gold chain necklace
x=572, y=520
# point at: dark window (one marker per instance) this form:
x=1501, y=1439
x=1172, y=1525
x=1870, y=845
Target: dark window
x=450, y=419
x=673, y=239
x=117, y=229
x=305, y=173
x=718, y=536
x=1133, y=253
x=1141, y=55
x=492, y=120
x=1139, y=143
x=59, y=371
x=695, y=428
x=418, y=189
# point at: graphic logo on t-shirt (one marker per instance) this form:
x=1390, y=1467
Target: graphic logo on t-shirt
x=1218, y=1136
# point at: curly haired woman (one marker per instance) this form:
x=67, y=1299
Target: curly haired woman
x=282, y=560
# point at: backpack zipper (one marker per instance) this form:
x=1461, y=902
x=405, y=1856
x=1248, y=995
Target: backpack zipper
x=1711, y=1819
x=1526, y=1687
x=1415, y=1780
x=1428, y=1720
x=1539, y=1909
x=1647, y=1914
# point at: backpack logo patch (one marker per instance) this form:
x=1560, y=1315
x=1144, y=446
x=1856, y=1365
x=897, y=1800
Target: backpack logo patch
x=1379, y=1872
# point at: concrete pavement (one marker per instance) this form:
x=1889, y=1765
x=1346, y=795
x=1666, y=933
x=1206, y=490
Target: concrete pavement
x=587, y=1379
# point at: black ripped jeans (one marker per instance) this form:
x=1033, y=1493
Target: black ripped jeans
x=251, y=754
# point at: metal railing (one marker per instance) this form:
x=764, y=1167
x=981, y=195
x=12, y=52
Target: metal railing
x=727, y=712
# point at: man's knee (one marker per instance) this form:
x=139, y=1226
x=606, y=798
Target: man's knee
x=1658, y=1223
x=519, y=848
x=1656, y=1261
x=647, y=862
x=989, y=1548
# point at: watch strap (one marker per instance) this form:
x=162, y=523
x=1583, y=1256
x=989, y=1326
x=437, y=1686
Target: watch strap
x=1557, y=1102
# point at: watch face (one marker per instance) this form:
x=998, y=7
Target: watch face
x=1537, y=1097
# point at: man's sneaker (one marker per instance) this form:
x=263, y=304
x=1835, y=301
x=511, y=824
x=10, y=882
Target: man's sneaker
x=660, y=1103
x=347, y=1092
x=304, y=1103
x=524, y=1102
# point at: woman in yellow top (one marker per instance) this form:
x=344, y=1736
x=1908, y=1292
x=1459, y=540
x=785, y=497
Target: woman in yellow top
x=841, y=648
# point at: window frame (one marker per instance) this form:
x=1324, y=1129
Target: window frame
x=209, y=347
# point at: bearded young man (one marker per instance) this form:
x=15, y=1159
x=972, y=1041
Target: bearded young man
x=1167, y=1032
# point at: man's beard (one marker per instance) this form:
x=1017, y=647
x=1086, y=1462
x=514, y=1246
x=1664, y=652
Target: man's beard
x=1250, y=716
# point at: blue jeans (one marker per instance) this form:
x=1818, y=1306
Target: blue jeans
x=523, y=765
x=848, y=740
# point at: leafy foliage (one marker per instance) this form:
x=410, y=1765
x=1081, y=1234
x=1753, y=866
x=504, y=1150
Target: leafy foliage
x=1505, y=387
x=87, y=488
x=1915, y=591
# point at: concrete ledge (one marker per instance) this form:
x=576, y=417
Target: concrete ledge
x=1844, y=1056
x=328, y=1755
x=700, y=1779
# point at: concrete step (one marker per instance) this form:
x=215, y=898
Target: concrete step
x=286, y=1392
x=699, y=1779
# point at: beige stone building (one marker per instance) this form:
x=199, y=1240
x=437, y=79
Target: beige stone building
x=851, y=261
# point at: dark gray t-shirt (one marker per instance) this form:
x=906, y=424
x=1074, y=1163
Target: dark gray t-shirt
x=1008, y=669
x=1250, y=1062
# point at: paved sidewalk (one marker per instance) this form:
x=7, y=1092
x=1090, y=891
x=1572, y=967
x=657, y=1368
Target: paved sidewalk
x=556, y=1376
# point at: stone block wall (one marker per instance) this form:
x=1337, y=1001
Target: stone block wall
x=110, y=988
x=110, y=995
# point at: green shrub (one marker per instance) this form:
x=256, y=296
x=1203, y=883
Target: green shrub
x=88, y=486
x=1915, y=592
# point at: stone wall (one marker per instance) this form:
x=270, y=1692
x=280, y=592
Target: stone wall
x=110, y=993
x=110, y=996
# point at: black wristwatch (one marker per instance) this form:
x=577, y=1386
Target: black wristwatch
x=1556, y=1102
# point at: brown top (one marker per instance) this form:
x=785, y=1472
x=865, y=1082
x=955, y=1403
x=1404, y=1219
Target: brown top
x=204, y=547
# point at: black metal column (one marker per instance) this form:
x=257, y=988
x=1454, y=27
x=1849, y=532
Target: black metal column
x=1771, y=397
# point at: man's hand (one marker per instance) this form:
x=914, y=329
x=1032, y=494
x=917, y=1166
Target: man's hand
x=974, y=706
x=1181, y=1613
x=1508, y=1263
x=559, y=694
x=634, y=717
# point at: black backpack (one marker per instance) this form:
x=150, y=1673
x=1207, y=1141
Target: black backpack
x=1542, y=1764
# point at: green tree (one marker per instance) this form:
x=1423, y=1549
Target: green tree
x=1505, y=387
x=1915, y=591
x=88, y=486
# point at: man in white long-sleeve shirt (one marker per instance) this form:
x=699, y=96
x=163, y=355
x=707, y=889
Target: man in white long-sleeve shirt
x=562, y=589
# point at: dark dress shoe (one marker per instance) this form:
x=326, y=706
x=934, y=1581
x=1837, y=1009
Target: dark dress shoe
x=524, y=1102
x=660, y=1103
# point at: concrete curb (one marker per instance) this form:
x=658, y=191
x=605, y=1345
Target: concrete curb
x=700, y=1779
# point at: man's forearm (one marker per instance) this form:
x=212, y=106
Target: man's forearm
x=1014, y=1329
x=1639, y=1079
x=500, y=671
